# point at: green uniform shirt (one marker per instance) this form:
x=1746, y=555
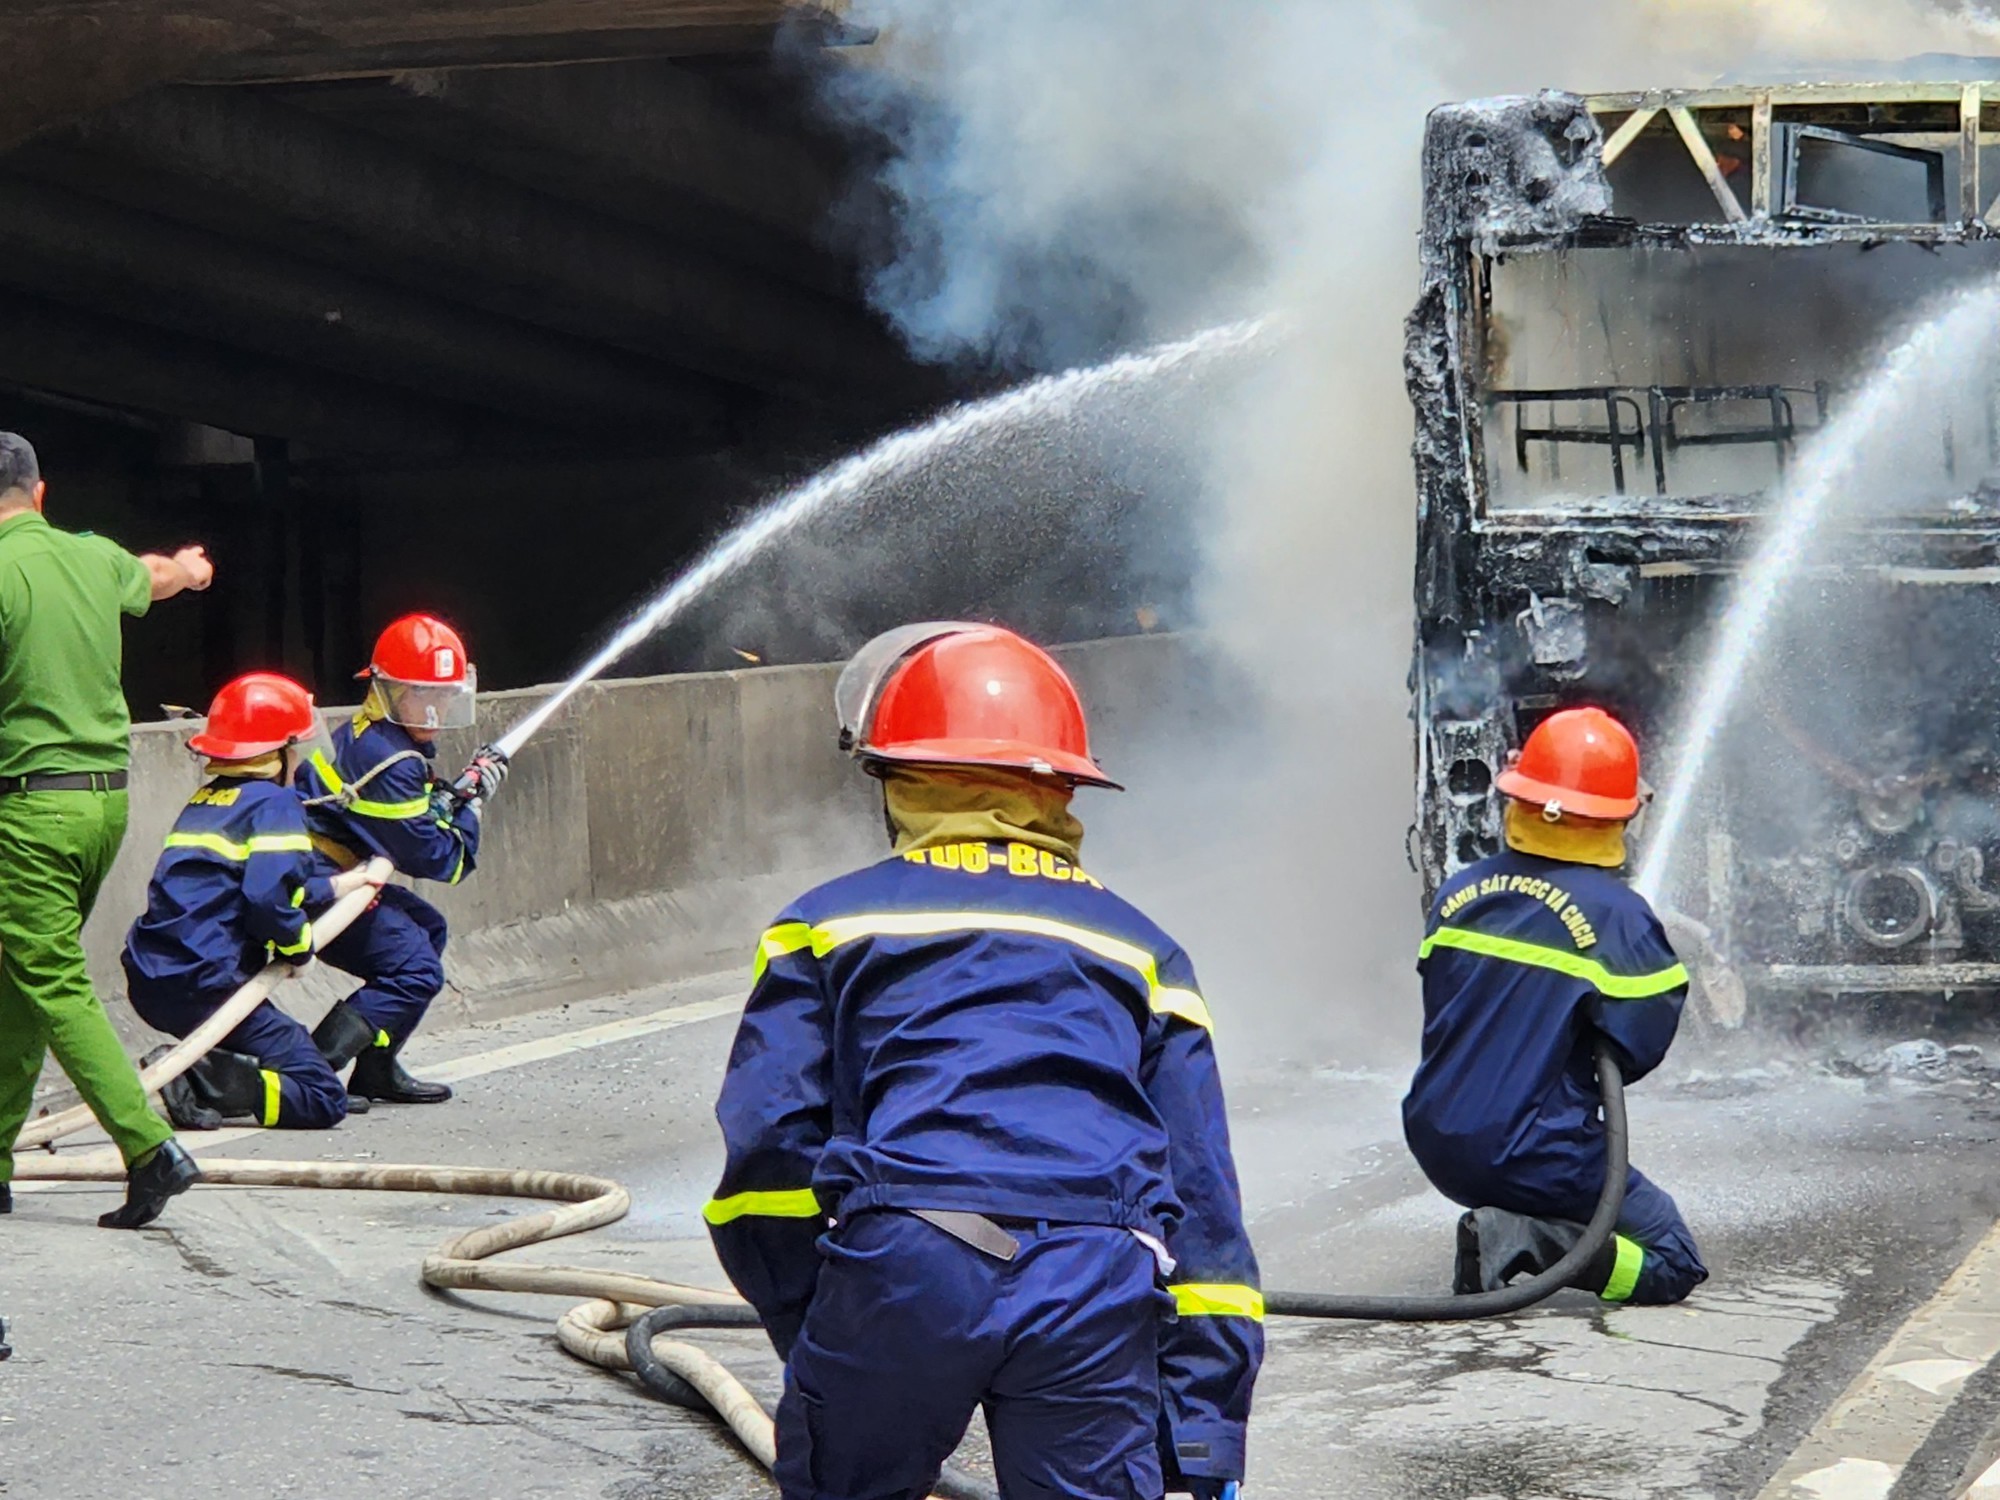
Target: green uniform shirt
x=62, y=705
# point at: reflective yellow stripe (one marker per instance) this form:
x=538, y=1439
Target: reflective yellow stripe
x=361, y=806
x=787, y=937
x=416, y=807
x=1624, y=1270
x=263, y=843
x=326, y=771
x=381, y=1038
x=1186, y=1005
x=787, y=1203
x=303, y=945
x=1512, y=950
x=272, y=1098
x=1202, y=1299
x=458, y=872
x=299, y=896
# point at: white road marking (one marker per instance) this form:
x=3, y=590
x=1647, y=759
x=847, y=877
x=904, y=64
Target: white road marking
x=1858, y=1449
x=1850, y=1479
x=477, y=1064
x=522, y=1053
x=1933, y=1376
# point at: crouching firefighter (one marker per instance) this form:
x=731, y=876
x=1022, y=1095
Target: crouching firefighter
x=373, y=794
x=1529, y=958
x=228, y=896
x=976, y=1147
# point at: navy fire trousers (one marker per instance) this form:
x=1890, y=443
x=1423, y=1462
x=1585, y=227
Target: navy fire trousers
x=910, y=1330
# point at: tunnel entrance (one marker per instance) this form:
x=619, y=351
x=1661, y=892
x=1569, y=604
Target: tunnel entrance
x=495, y=311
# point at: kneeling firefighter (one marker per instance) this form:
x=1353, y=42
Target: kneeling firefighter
x=1528, y=958
x=373, y=794
x=977, y=1153
x=228, y=896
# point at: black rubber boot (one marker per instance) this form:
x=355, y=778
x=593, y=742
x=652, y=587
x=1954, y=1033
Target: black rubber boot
x=149, y=1183
x=342, y=1035
x=1507, y=1245
x=183, y=1105
x=6, y=1199
x=229, y=1083
x=378, y=1074
x=1465, y=1267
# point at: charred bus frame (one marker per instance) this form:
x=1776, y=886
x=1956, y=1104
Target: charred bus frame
x=1535, y=589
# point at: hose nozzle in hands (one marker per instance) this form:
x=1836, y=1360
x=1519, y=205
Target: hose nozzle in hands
x=482, y=777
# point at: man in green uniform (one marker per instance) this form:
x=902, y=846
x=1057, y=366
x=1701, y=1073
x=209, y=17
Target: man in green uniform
x=64, y=744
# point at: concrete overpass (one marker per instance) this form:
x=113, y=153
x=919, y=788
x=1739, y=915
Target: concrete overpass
x=269, y=269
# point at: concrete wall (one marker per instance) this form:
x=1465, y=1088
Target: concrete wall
x=648, y=833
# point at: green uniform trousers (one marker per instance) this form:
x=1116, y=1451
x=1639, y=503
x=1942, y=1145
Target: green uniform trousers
x=55, y=850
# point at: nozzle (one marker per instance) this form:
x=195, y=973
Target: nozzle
x=480, y=778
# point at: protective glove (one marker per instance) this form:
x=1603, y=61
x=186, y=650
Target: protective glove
x=482, y=777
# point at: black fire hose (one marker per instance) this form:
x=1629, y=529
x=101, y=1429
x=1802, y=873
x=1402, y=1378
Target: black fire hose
x=1455, y=1308
x=1509, y=1299
x=669, y=1387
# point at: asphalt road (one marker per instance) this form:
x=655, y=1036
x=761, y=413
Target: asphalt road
x=277, y=1342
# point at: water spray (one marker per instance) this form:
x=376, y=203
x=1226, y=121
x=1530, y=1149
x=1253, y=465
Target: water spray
x=855, y=477
x=1931, y=355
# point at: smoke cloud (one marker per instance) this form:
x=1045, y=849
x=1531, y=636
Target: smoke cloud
x=1071, y=177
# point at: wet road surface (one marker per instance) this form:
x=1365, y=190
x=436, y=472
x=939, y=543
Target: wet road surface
x=277, y=1342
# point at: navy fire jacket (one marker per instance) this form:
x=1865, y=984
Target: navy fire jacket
x=374, y=797
x=229, y=892
x=1525, y=963
x=987, y=1028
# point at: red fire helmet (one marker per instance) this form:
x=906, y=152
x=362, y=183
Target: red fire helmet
x=418, y=649
x=1580, y=761
x=255, y=715
x=420, y=666
x=949, y=693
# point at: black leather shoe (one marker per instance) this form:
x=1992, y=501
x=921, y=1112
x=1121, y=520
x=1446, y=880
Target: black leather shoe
x=149, y=1183
x=379, y=1075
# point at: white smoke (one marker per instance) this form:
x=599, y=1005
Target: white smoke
x=1079, y=175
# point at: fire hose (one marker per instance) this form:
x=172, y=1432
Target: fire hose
x=591, y=1331
x=1458, y=1308
x=621, y=1325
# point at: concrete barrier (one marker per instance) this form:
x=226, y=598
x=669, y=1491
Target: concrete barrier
x=648, y=833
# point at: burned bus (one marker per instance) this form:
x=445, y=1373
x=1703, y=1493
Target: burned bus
x=1638, y=312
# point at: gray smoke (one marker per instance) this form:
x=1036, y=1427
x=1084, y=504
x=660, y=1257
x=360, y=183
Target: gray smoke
x=1074, y=176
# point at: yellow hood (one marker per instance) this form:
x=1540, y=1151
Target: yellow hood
x=929, y=807
x=1576, y=841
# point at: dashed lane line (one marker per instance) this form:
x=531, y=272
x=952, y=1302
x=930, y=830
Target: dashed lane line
x=1858, y=1450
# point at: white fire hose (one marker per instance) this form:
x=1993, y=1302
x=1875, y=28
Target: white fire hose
x=590, y=1331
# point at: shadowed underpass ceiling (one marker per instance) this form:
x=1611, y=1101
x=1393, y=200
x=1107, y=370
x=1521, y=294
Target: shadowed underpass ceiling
x=430, y=231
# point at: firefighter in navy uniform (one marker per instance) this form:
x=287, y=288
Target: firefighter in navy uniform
x=976, y=1147
x=1529, y=958
x=374, y=794
x=228, y=896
